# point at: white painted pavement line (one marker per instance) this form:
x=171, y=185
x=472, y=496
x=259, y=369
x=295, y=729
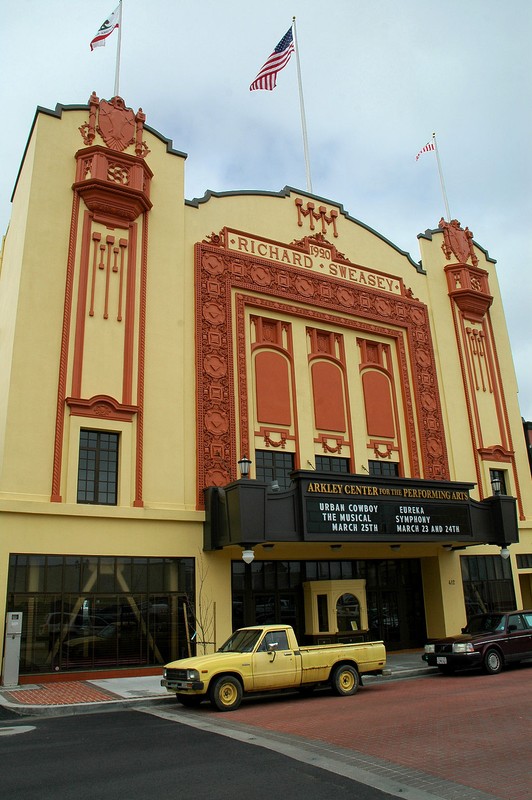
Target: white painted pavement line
x=13, y=730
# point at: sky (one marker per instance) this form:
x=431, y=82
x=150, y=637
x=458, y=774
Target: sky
x=378, y=77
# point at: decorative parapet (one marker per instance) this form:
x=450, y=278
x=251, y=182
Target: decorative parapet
x=468, y=285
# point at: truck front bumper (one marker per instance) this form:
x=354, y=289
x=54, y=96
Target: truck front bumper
x=182, y=686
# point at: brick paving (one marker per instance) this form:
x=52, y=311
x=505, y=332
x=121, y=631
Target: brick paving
x=474, y=730
x=59, y=694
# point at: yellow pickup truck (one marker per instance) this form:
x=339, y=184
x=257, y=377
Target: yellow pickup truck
x=266, y=658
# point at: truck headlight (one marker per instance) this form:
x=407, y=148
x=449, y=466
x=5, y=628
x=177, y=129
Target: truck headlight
x=463, y=647
x=192, y=675
x=429, y=648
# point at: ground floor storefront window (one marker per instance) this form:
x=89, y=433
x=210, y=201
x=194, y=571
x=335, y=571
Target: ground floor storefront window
x=488, y=584
x=91, y=612
x=272, y=591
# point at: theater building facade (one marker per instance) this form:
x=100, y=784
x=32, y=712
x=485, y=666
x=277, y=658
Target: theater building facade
x=244, y=408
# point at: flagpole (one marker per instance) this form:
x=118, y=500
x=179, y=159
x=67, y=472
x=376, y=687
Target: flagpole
x=442, y=182
x=118, y=48
x=302, y=108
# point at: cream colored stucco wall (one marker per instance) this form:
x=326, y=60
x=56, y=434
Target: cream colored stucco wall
x=32, y=289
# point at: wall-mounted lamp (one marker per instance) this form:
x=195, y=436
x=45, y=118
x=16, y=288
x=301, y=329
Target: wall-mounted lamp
x=496, y=485
x=447, y=547
x=244, y=465
x=395, y=547
x=275, y=486
x=248, y=555
x=505, y=553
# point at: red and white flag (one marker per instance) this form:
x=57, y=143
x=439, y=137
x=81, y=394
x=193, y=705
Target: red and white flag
x=429, y=146
x=267, y=77
x=106, y=29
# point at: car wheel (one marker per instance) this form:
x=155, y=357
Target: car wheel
x=345, y=680
x=493, y=662
x=189, y=700
x=226, y=693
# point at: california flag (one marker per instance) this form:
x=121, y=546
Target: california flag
x=106, y=29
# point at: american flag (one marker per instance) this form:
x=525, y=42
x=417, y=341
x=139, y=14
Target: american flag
x=267, y=77
x=428, y=146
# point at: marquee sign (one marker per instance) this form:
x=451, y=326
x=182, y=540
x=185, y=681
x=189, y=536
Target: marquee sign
x=394, y=509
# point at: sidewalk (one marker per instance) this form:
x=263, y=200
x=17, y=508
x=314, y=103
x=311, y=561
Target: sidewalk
x=75, y=697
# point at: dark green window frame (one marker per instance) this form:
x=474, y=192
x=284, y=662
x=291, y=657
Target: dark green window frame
x=98, y=467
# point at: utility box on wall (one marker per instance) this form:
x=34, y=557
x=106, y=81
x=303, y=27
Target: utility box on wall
x=336, y=611
x=12, y=648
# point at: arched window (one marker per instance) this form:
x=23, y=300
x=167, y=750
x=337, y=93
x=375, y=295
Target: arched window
x=348, y=613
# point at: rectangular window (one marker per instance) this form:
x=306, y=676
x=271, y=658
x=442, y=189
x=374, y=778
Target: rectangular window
x=524, y=561
x=323, y=613
x=271, y=467
x=332, y=464
x=389, y=469
x=98, y=468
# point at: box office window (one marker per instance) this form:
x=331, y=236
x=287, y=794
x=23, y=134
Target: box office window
x=98, y=467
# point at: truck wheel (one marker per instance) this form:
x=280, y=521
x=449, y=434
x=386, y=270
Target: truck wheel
x=226, y=693
x=493, y=662
x=188, y=700
x=345, y=680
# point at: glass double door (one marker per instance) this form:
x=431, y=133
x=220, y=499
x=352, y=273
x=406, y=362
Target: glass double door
x=272, y=592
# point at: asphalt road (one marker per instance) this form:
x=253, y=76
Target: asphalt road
x=129, y=754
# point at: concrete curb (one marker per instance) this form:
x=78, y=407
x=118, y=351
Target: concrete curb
x=71, y=709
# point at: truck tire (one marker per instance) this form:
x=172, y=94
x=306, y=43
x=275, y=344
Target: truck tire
x=345, y=680
x=225, y=693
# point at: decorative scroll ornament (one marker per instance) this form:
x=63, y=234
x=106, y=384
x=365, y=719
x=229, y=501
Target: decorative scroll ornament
x=457, y=241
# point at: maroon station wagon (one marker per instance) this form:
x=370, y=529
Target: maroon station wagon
x=489, y=641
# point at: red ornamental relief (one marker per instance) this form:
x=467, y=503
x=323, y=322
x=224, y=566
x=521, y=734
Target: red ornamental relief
x=117, y=124
x=220, y=271
x=457, y=242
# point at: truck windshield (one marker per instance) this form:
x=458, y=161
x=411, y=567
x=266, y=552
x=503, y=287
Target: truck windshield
x=242, y=641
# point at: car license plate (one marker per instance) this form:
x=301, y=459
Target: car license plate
x=441, y=659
